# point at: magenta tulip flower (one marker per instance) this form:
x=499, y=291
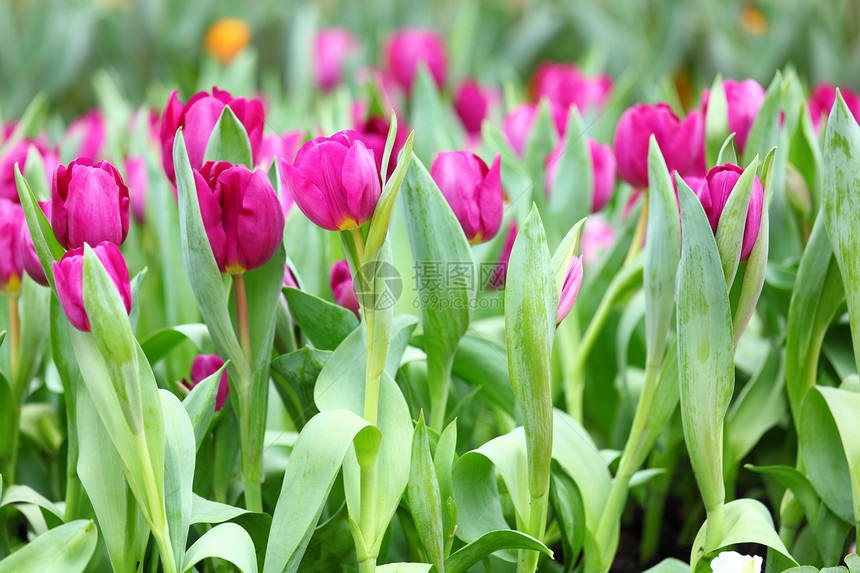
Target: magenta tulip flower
x=602, y=169
x=374, y=129
x=204, y=366
x=198, y=118
x=334, y=181
x=138, y=186
x=408, y=48
x=743, y=100
x=342, y=288
x=823, y=97
x=89, y=204
x=566, y=85
x=11, y=265
x=69, y=280
x=28, y=250
x=332, y=47
x=568, y=293
x=473, y=191
x=472, y=102
x=680, y=142
x=519, y=122
x=282, y=146
x=90, y=130
x=18, y=154
x=241, y=213
x=714, y=192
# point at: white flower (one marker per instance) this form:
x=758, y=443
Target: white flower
x=734, y=562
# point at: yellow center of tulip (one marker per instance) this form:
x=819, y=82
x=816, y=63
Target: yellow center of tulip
x=348, y=224
x=13, y=287
x=234, y=269
x=226, y=38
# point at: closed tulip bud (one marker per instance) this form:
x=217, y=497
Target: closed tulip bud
x=714, y=192
x=519, y=122
x=566, y=85
x=743, y=101
x=408, y=48
x=204, y=366
x=198, y=118
x=241, y=213
x=822, y=98
x=473, y=191
x=138, y=186
x=332, y=48
x=89, y=204
x=11, y=265
x=680, y=142
x=89, y=130
x=282, y=146
x=472, y=102
x=18, y=154
x=334, y=181
x=602, y=171
x=342, y=288
x=69, y=280
x=572, y=282
x=28, y=250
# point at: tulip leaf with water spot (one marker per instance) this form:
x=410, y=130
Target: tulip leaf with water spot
x=705, y=352
x=435, y=236
x=573, y=185
x=841, y=202
x=716, y=122
x=325, y=324
x=229, y=141
x=314, y=464
x=425, y=500
x=67, y=548
x=226, y=541
x=732, y=224
x=47, y=247
x=745, y=521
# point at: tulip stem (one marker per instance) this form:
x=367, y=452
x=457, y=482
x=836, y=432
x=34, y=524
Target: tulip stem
x=14, y=334
x=359, y=247
x=639, y=233
x=242, y=322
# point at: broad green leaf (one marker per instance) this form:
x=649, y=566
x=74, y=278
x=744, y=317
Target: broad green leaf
x=67, y=549
x=200, y=404
x=16, y=494
x=229, y=141
x=705, y=351
x=489, y=543
x=764, y=132
x=795, y=481
x=325, y=324
x=573, y=188
x=226, y=541
x=207, y=511
x=841, y=202
x=745, y=521
x=314, y=464
x=730, y=229
x=44, y=241
x=716, y=122
x=425, y=500
x=159, y=344
x=542, y=139
x=531, y=304
x=298, y=372
x=179, y=460
x=570, y=515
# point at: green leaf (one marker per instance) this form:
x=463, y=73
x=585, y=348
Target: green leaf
x=716, y=122
x=431, y=119
x=314, y=464
x=67, y=548
x=573, y=187
x=405, y=568
x=30, y=123
x=842, y=204
x=670, y=565
x=795, y=481
x=35, y=175
x=705, y=351
x=159, y=344
x=207, y=511
x=489, y=543
x=425, y=501
x=179, y=461
x=325, y=324
x=200, y=405
x=728, y=153
x=47, y=247
x=541, y=140
x=531, y=304
x=17, y=495
x=730, y=229
x=229, y=141
x=443, y=463
x=570, y=515
x=226, y=541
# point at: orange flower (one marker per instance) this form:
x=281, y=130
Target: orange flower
x=754, y=22
x=226, y=38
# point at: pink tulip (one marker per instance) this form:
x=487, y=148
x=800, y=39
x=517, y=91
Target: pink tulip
x=332, y=48
x=138, y=184
x=334, y=181
x=241, y=213
x=597, y=236
x=519, y=122
x=342, y=288
x=472, y=102
x=743, y=100
x=89, y=204
x=282, y=146
x=602, y=170
x=566, y=85
x=473, y=191
x=714, y=192
x=11, y=265
x=90, y=130
x=823, y=97
x=204, y=366
x=28, y=250
x=198, y=118
x=69, y=280
x=374, y=129
x=408, y=48
x=570, y=290
x=680, y=142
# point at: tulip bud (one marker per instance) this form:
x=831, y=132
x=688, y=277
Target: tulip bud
x=138, y=184
x=241, y=213
x=743, y=100
x=28, y=250
x=565, y=85
x=572, y=282
x=332, y=48
x=519, y=122
x=289, y=279
x=408, y=48
x=334, y=181
x=69, y=280
x=89, y=129
x=204, y=366
x=680, y=142
x=473, y=191
x=472, y=103
x=18, y=154
x=823, y=97
x=282, y=146
x=374, y=129
x=89, y=204
x=714, y=192
x=602, y=170
x=11, y=265
x=198, y=118
x=342, y=288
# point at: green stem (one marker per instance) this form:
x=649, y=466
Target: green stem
x=639, y=233
x=714, y=529
x=14, y=334
x=368, y=495
x=440, y=379
x=367, y=566
x=528, y=560
x=155, y=502
x=242, y=323
x=359, y=244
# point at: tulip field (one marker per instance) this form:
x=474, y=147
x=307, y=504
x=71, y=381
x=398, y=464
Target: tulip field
x=455, y=287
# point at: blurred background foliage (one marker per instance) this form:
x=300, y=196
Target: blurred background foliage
x=57, y=46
